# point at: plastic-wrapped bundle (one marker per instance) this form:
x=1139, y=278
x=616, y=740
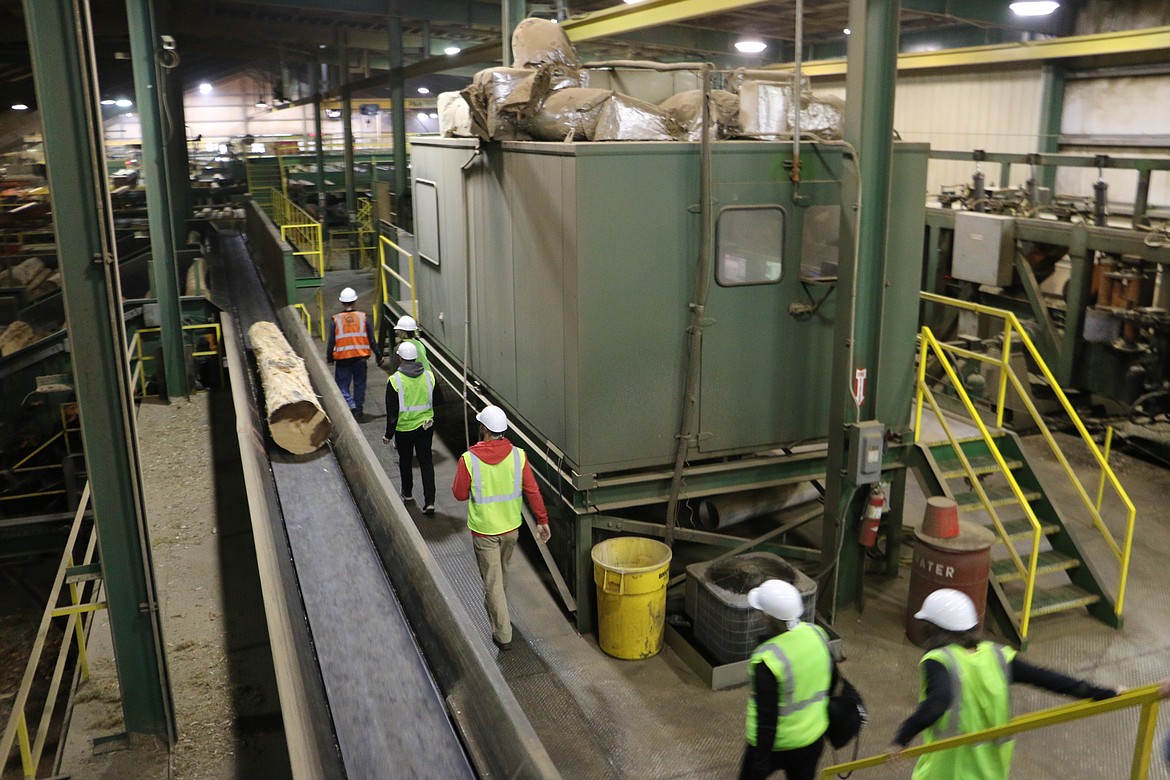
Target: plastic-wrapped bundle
x=764, y=108
x=537, y=42
x=582, y=114
x=820, y=114
x=486, y=97
x=686, y=109
x=454, y=115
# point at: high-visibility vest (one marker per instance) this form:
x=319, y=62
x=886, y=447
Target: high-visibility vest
x=980, y=699
x=799, y=660
x=496, y=493
x=350, y=339
x=415, y=399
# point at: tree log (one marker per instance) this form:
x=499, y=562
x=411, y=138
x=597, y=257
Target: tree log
x=295, y=417
x=16, y=337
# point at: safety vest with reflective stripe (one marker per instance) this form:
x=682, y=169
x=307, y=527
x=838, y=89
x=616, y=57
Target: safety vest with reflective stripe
x=349, y=335
x=415, y=399
x=799, y=660
x=496, y=493
x=980, y=699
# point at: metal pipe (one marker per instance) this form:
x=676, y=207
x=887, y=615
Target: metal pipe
x=690, y=402
x=732, y=508
x=798, y=94
x=978, y=192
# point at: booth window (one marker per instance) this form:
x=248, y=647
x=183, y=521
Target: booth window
x=426, y=220
x=749, y=245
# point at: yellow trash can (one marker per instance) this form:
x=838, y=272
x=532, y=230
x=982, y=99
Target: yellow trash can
x=631, y=574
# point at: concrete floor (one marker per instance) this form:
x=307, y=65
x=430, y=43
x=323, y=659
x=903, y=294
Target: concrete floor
x=604, y=718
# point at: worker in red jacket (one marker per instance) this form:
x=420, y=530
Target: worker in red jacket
x=492, y=476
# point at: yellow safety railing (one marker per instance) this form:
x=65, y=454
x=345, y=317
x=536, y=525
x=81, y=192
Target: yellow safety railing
x=78, y=579
x=384, y=242
x=304, y=312
x=1147, y=698
x=1013, y=331
x=138, y=375
x=363, y=229
x=298, y=228
x=929, y=344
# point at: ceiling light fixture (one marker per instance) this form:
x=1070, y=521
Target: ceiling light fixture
x=19, y=107
x=1034, y=7
x=261, y=104
x=451, y=50
x=750, y=46
x=123, y=102
x=423, y=91
x=205, y=88
x=108, y=102
x=847, y=31
x=631, y=2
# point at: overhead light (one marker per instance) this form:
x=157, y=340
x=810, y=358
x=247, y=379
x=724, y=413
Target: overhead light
x=322, y=45
x=108, y=102
x=451, y=50
x=433, y=115
x=19, y=107
x=847, y=31
x=205, y=88
x=423, y=91
x=750, y=46
x=1034, y=7
x=631, y=2
x=123, y=102
x=422, y=114
x=261, y=104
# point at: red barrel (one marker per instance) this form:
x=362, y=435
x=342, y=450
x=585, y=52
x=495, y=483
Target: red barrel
x=961, y=562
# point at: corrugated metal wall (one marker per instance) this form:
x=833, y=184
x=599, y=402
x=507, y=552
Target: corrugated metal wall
x=997, y=110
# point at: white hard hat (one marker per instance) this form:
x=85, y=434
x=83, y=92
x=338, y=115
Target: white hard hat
x=407, y=351
x=406, y=322
x=779, y=599
x=348, y=295
x=949, y=609
x=493, y=418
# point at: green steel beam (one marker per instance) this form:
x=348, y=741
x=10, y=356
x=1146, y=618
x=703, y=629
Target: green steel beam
x=66, y=83
x=147, y=92
x=175, y=140
x=319, y=153
x=398, y=107
x=1051, y=112
x=869, y=127
x=512, y=12
x=347, y=137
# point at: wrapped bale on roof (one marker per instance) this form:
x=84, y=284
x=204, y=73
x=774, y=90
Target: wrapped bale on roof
x=686, y=109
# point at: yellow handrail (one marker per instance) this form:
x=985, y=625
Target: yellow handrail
x=1148, y=698
x=1028, y=572
x=17, y=725
x=304, y=310
x=299, y=229
x=138, y=376
x=383, y=242
x=1013, y=326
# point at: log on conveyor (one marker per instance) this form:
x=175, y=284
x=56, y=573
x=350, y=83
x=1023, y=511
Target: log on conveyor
x=295, y=417
x=16, y=337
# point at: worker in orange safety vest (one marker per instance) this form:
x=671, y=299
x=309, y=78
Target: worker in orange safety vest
x=350, y=344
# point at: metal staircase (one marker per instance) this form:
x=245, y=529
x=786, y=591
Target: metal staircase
x=265, y=174
x=1064, y=577
x=1038, y=568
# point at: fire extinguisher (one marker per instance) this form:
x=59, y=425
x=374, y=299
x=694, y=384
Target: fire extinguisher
x=872, y=517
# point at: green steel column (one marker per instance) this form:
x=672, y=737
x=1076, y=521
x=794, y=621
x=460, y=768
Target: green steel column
x=175, y=139
x=869, y=127
x=60, y=44
x=512, y=13
x=1052, y=84
x=144, y=51
x=319, y=150
x=398, y=105
x=347, y=133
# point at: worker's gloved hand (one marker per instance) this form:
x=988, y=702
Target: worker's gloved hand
x=380, y=361
x=386, y=439
x=543, y=533
x=1164, y=692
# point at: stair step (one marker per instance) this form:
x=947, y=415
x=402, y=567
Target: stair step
x=969, y=502
x=1022, y=528
x=950, y=468
x=1046, y=562
x=1051, y=600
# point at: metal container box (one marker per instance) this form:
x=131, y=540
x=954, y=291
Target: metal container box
x=984, y=248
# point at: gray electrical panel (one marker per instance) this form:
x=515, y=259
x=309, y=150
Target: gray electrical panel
x=867, y=442
x=984, y=248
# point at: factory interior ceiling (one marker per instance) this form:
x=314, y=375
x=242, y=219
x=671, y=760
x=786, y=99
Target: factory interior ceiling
x=220, y=38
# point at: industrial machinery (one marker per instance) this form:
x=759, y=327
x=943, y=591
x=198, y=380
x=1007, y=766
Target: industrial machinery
x=558, y=279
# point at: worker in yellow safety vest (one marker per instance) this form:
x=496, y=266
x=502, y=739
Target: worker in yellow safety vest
x=492, y=476
x=406, y=330
x=411, y=395
x=966, y=687
x=791, y=676
x=350, y=343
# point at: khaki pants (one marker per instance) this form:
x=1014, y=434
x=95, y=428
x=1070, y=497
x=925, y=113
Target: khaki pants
x=492, y=553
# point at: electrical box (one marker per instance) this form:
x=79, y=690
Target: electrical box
x=867, y=443
x=984, y=248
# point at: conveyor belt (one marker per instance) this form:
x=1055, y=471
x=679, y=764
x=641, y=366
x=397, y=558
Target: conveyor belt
x=373, y=686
